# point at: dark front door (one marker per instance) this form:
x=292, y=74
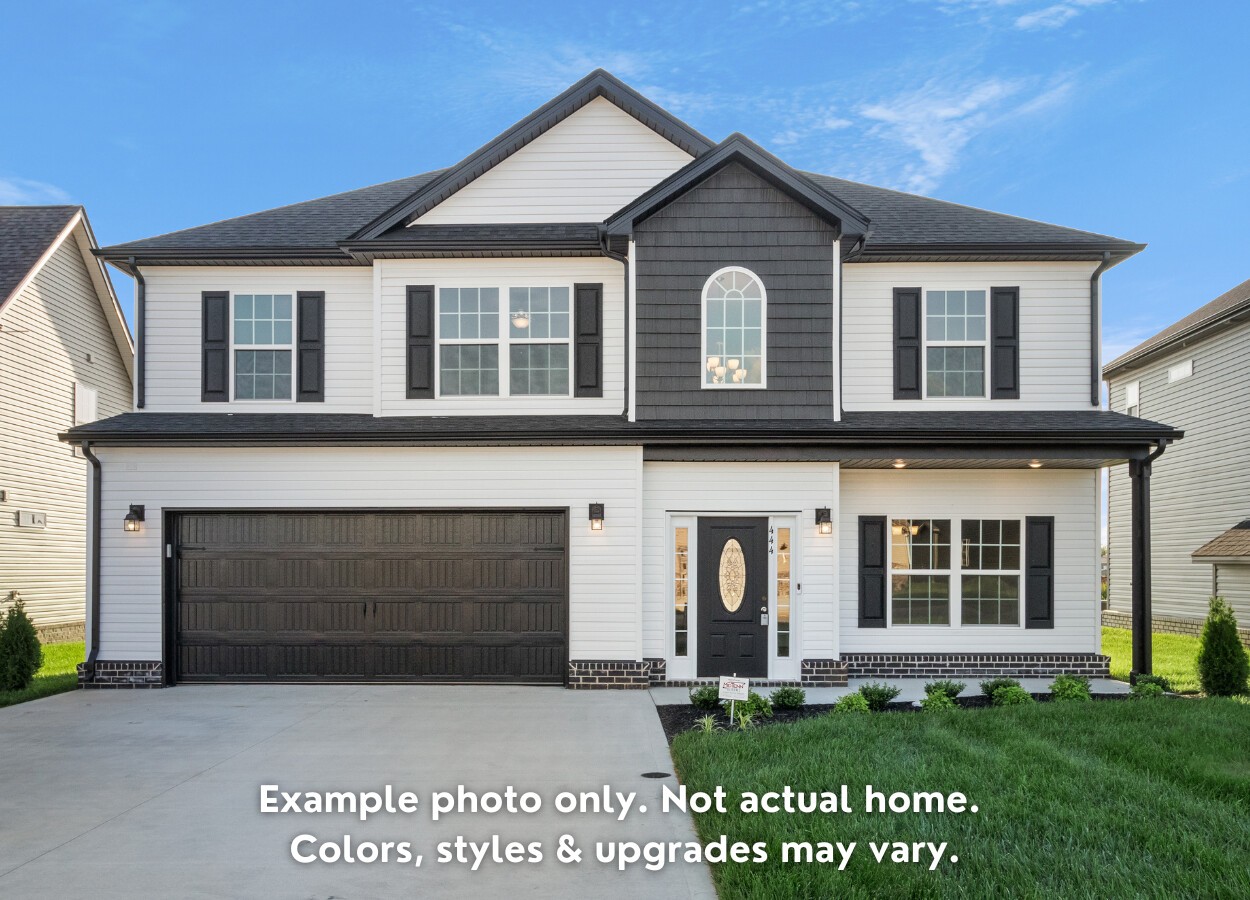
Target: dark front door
x=733, y=597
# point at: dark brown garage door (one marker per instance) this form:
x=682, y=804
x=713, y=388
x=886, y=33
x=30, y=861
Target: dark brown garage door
x=371, y=596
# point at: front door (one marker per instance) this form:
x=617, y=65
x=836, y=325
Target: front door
x=733, y=597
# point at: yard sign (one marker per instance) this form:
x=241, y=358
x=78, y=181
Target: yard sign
x=733, y=688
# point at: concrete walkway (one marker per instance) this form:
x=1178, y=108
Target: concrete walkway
x=156, y=793
x=909, y=689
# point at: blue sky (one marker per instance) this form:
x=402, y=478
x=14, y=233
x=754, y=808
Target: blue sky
x=1128, y=117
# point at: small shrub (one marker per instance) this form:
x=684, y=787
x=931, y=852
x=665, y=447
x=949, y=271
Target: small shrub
x=878, y=694
x=789, y=697
x=1146, y=690
x=756, y=706
x=746, y=721
x=990, y=686
x=935, y=701
x=1070, y=689
x=1162, y=682
x=945, y=686
x=705, y=725
x=1222, y=663
x=20, y=653
x=705, y=696
x=851, y=703
x=1012, y=695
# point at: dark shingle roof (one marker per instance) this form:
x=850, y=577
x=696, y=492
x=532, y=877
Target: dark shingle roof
x=892, y=428
x=1222, y=308
x=1234, y=543
x=25, y=233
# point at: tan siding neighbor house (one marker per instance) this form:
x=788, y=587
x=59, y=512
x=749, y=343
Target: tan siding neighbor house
x=65, y=359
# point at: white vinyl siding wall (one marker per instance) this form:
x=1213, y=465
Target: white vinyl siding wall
x=1054, y=331
x=49, y=329
x=174, y=328
x=1199, y=488
x=1070, y=496
x=582, y=170
x=604, y=614
x=396, y=275
x=744, y=489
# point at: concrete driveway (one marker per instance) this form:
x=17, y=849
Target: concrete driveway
x=157, y=793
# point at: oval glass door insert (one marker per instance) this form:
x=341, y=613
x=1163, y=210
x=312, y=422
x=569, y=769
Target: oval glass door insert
x=733, y=575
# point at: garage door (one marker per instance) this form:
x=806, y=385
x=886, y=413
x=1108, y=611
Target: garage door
x=371, y=596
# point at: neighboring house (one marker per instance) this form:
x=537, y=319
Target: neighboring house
x=604, y=404
x=1196, y=375
x=65, y=359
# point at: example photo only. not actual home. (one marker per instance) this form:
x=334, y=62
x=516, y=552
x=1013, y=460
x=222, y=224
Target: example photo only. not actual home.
x=609, y=404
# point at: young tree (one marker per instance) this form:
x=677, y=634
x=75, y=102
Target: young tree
x=20, y=653
x=1222, y=662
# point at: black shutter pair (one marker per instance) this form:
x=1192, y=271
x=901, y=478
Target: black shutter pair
x=587, y=343
x=1039, y=571
x=310, y=330
x=1004, y=360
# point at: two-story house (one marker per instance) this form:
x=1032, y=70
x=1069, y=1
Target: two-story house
x=1192, y=373
x=608, y=404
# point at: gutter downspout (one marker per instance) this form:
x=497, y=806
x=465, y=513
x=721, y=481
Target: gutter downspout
x=623, y=259
x=1095, y=331
x=141, y=304
x=93, y=649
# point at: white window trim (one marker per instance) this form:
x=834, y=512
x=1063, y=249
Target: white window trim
x=955, y=573
x=925, y=343
x=503, y=342
x=703, y=355
x=290, y=347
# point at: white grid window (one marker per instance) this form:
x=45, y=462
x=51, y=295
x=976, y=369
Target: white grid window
x=955, y=343
x=264, y=325
x=539, y=325
x=920, y=571
x=468, y=317
x=734, y=329
x=990, y=572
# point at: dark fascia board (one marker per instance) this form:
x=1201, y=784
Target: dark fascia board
x=598, y=83
x=1198, y=331
x=167, y=255
x=740, y=149
x=1075, y=250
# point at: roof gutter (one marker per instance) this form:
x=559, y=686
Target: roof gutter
x=93, y=649
x=623, y=259
x=1095, y=330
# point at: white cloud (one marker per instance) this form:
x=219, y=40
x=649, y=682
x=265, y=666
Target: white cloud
x=1022, y=14
x=25, y=192
x=1055, y=16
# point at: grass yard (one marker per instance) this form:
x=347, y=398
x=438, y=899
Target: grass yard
x=59, y=673
x=1174, y=656
x=1107, y=800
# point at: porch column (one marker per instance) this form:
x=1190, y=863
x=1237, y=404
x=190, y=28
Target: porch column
x=1139, y=475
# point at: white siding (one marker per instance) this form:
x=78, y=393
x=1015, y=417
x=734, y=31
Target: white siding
x=747, y=489
x=582, y=170
x=50, y=330
x=1070, y=496
x=605, y=615
x=1199, y=487
x=174, y=319
x=1054, y=330
x=396, y=275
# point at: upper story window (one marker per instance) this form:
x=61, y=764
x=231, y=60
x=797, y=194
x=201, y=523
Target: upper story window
x=475, y=332
x=1132, y=398
x=262, y=337
x=734, y=329
x=955, y=343
x=1181, y=371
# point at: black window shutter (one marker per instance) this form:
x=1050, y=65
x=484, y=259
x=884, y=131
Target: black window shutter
x=872, y=550
x=215, y=347
x=420, y=342
x=310, y=346
x=588, y=349
x=1005, y=343
x=1039, y=572
x=907, y=344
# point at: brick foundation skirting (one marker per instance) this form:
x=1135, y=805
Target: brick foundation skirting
x=60, y=634
x=1114, y=618
x=123, y=674
x=823, y=673
x=657, y=671
x=1018, y=665
x=609, y=674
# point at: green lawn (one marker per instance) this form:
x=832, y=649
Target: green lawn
x=1174, y=656
x=1107, y=800
x=57, y=674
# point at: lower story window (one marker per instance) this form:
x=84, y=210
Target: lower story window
x=990, y=581
x=920, y=563
x=681, y=590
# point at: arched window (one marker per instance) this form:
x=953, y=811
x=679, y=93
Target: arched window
x=734, y=329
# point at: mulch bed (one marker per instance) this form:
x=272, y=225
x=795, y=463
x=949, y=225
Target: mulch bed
x=683, y=717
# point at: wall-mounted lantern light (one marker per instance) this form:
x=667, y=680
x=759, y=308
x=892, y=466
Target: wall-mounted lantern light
x=824, y=521
x=134, y=518
x=596, y=517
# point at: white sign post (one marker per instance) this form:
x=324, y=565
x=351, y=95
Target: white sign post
x=733, y=688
